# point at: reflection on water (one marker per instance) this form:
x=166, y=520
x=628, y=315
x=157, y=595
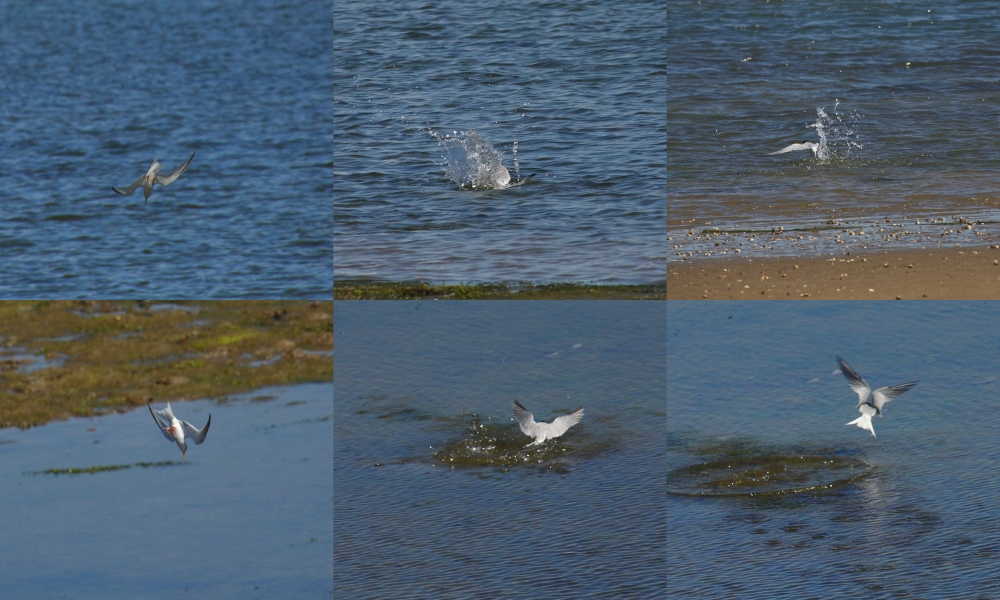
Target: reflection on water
x=758, y=385
x=102, y=508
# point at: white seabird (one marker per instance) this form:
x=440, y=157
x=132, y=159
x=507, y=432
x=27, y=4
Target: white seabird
x=870, y=403
x=178, y=431
x=152, y=177
x=811, y=146
x=544, y=431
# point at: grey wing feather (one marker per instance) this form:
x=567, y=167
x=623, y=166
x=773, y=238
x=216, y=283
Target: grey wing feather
x=859, y=385
x=164, y=427
x=195, y=434
x=128, y=191
x=889, y=393
x=168, y=179
x=560, y=425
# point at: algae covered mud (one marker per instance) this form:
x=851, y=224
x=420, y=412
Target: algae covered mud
x=85, y=358
x=421, y=290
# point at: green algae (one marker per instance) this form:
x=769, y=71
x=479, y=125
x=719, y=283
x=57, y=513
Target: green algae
x=741, y=467
x=422, y=290
x=84, y=358
x=101, y=468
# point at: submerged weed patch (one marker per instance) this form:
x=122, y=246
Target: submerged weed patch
x=101, y=468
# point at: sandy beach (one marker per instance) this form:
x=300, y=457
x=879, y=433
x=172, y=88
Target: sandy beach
x=968, y=273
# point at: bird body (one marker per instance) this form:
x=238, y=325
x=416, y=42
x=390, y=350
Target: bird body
x=544, y=431
x=811, y=146
x=870, y=403
x=152, y=177
x=178, y=431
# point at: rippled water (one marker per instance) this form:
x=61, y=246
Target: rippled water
x=909, y=95
x=757, y=383
x=247, y=514
x=570, y=91
x=435, y=494
x=94, y=92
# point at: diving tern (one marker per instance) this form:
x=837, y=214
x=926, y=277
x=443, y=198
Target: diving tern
x=178, y=431
x=151, y=177
x=870, y=403
x=811, y=146
x=544, y=431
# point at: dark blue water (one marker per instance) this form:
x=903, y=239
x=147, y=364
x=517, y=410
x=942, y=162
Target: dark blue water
x=92, y=93
x=579, y=87
x=909, y=99
x=760, y=379
x=409, y=378
x=247, y=515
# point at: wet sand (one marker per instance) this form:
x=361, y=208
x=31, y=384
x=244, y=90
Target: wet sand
x=968, y=273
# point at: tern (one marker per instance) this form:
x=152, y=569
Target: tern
x=544, y=431
x=870, y=403
x=811, y=146
x=178, y=431
x=151, y=177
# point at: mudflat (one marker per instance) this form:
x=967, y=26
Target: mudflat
x=967, y=273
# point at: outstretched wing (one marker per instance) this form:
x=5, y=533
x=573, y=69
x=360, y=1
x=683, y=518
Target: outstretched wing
x=164, y=426
x=883, y=395
x=859, y=385
x=195, y=434
x=128, y=191
x=168, y=179
x=525, y=419
x=560, y=425
x=792, y=148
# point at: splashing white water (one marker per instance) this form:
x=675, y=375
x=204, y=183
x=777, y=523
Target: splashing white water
x=472, y=162
x=837, y=133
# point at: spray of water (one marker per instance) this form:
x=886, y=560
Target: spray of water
x=472, y=162
x=837, y=131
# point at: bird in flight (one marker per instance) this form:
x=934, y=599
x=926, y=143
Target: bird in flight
x=152, y=177
x=870, y=403
x=544, y=431
x=811, y=146
x=178, y=431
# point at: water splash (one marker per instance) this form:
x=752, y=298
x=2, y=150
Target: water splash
x=837, y=131
x=472, y=162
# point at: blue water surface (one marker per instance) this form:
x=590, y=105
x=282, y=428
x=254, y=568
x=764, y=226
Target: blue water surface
x=573, y=92
x=247, y=515
x=93, y=92
x=410, y=377
x=910, y=94
x=924, y=523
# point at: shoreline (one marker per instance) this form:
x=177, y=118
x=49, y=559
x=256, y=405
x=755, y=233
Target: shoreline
x=422, y=290
x=88, y=358
x=965, y=273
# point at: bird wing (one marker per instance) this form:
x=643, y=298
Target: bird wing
x=859, y=385
x=164, y=426
x=888, y=393
x=128, y=191
x=865, y=420
x=561, y=424
x=525, y=419
x=168, y=179
x=193, y=433
x=793, y=148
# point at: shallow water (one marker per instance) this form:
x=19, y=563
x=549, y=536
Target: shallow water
x=908, y=95
x=248, y=513
x=414, y=380
x=757, y=381
x=94, y=92
x=570, y=91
